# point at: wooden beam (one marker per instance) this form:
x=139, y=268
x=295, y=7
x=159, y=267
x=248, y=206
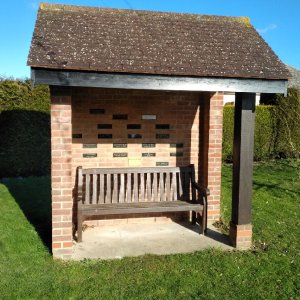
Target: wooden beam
x=243, y=158
x=156, y=82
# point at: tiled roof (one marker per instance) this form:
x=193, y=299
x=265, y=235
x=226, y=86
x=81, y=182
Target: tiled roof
x=131, y=41
x=294, y=81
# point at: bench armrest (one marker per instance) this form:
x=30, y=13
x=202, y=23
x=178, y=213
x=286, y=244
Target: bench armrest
x=205, y=191
x=79, y=185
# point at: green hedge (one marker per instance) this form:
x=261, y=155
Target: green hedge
x=277, y=129
x=24, y=129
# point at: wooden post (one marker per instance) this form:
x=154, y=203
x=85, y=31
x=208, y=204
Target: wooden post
x=241, y=228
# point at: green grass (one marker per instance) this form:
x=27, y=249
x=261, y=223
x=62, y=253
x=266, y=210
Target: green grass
x=270, y=271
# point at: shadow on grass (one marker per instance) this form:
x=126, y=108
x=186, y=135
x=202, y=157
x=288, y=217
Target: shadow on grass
x=33, y=195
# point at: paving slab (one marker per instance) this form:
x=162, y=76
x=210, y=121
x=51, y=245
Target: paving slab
x=118, y=241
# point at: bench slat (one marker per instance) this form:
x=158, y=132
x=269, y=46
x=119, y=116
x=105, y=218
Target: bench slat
x=142, y=177
x=94, y=193
x=161, y=186
x=135, y=187
x=148, y=183
x=115, y=189
x=129, y=187
x=168, y=192
x=121, y=193
x=174, y=185
x=155, y=187
x=87, y=189
x=101, y=189
x=108, y=189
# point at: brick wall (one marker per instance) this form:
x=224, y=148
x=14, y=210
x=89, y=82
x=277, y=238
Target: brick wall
x=93, y=110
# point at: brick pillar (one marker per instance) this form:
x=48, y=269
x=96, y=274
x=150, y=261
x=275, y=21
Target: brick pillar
x=214, y=155
x=61, y=180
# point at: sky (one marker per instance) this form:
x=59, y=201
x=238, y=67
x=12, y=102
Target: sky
x=276, y=20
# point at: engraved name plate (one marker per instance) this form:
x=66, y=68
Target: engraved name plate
x=104, y=126
x=134, y=136
x=120, y=154
x=148, y=117
x=162, y=164
x=176, y=145
x=104, y=136
x=176, y=154
x=162, y=136
x=148, y=154
x=97, y=111
x=162, y=126
x=77, y=135
x=89, y=145
x=119, y=145
x=148, y=145
x=88, y=155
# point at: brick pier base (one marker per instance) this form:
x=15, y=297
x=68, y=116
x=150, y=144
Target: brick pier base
x=241, y=236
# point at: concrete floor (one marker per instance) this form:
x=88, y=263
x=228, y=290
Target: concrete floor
x=117, y=241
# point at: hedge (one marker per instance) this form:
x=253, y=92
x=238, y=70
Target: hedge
x=277, y=129
x=24, y=129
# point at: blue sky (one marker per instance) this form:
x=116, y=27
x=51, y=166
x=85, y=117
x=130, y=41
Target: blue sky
x=276, y=20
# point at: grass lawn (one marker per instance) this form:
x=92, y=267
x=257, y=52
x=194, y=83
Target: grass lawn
x=270, y=271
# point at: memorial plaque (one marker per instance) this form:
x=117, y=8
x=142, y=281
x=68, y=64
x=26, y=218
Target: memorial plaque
x=89, y=155
x=104, y=126
x=89, y=145
x=148, y=145
x=162, y=126
x=148, y=117
x=162, y=164
x=120, y=154
x=119, y=145
x=134, y=126
x=77, y=135
x=120, y=117
x=148, y=154
x=162, y=136
x=177, y=154
x=176, y=145
x=104, y=136
x=97, y=111
x=134, y=136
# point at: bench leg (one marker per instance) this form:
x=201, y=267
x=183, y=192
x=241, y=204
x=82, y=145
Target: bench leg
x=194, y=217
x=204, y=220
x=79, y=228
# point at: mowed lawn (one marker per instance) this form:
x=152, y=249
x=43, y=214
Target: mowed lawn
x=271, y=270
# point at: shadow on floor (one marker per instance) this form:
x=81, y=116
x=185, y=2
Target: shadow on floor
x=33, y=195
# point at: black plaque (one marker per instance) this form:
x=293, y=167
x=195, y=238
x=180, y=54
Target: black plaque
x=120, y=154
x=134, y=126
x=88, y=155
x=177, y=154
x=120, y=117
x=148, y=154
x=162, y=164
x=104, y=136
x=119, y=145
x=162, y=136
x=134, y=136
x=176, y=145
x=104, y=126
x=77, y=135
x=89, y=145
x=162, y=126
x=148, y=145
x=97, y=111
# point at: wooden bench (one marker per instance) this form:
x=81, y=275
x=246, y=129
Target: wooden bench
x=123, y=191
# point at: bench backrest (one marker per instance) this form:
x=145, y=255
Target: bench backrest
x=118, y=185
